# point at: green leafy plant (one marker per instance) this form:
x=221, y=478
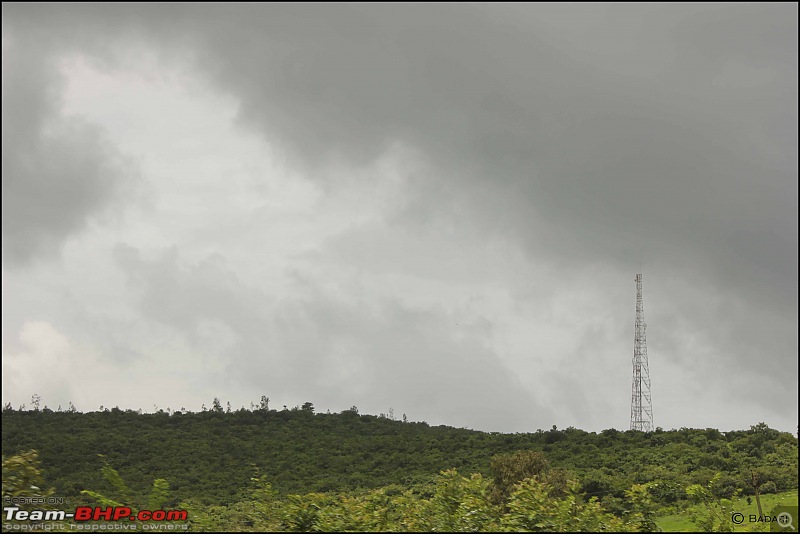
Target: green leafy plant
x=22, y=478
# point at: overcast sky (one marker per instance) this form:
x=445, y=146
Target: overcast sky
x=434, y=209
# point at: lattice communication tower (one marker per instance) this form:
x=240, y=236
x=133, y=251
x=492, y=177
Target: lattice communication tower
x=641, y=404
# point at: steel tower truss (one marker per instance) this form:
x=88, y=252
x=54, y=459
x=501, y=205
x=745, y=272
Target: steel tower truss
x=641, y=404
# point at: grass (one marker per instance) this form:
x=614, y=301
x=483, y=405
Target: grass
x=681, y=522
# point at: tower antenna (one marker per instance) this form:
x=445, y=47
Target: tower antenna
x=641, y=404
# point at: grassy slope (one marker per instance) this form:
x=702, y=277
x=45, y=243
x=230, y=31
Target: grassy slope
x=682, y=523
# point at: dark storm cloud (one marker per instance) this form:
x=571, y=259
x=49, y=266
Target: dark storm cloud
x=677, y=150
x=57, y=171
x=671, y=147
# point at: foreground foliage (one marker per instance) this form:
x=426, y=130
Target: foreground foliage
x=455, y=504
x=524, y=494
x=22, y=479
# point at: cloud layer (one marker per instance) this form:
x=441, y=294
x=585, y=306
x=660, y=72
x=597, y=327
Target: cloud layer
x=338, y=191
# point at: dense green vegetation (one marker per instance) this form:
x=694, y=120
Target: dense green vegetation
x=275, y=470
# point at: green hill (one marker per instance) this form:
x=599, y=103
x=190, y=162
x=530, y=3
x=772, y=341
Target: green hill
x=211, y=457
